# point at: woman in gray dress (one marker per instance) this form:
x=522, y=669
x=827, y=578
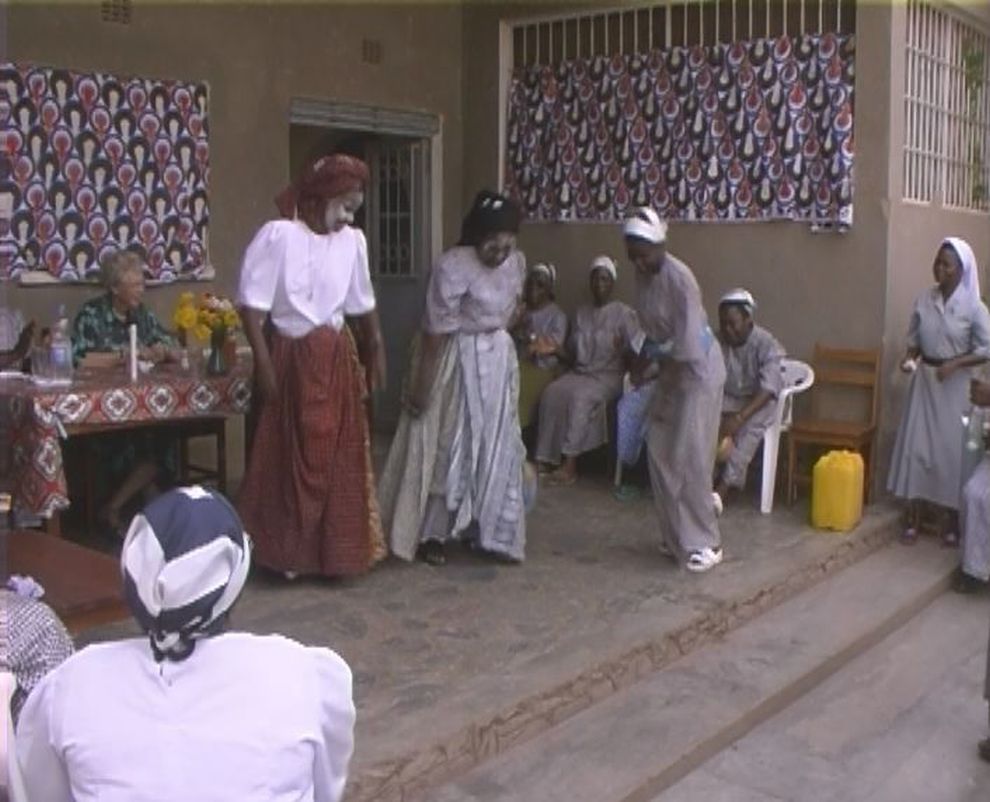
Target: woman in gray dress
x=573, y=409
x=752, y=383
x=687, y=404
x=541, y=332
x=457, y=460
x=948, y=335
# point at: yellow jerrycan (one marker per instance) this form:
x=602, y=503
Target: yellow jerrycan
x=837, y=491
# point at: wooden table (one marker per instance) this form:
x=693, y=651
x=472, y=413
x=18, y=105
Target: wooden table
x=82, y=586
x=34, y=419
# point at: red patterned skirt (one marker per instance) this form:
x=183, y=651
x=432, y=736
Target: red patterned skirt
x=308, y=497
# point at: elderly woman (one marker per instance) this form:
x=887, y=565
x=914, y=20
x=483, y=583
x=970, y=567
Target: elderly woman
x=101, y=326
x=138, y=462
x=540, y=334
x=687, y=404
x=308, y=491
x=948, y=335
x=752, y=383
x=573, y=409
x=190, y=710
x=456, y=463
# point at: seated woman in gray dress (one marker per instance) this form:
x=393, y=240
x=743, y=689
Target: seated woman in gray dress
x=573, y=408
x=541, y=332
x=456, y=464
x=752, y=384
x=948, y=335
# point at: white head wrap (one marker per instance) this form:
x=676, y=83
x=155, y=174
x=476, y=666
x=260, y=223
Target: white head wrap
x=645, y=224
x=547, y=269
x=605, y=263
x=970, y=281
x=740, y=296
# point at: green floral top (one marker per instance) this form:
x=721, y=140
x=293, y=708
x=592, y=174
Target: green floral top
x=97, y=328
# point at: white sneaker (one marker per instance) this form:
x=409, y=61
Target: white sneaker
x=717, y=501
x=704, y=559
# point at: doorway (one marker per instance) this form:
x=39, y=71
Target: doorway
x=399, y=216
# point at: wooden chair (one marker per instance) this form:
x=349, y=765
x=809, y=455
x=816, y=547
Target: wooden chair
x=838, y=371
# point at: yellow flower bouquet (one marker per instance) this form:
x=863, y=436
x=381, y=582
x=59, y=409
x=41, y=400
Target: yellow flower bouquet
x=205, y=316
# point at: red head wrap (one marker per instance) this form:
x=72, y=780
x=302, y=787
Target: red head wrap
x=328, y=177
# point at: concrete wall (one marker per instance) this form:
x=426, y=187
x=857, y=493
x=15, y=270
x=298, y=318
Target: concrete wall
x=915, y=231
x=827, y=287
x=256, y=58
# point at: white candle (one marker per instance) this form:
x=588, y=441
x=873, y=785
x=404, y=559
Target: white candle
x=132, y=331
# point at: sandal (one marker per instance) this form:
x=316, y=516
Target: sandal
x=704, y=559
x=431, y=552
x=909, y=536
x=560, y=479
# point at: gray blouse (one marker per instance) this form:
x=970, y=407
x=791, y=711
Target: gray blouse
x=945, y=329
x=466, y=296
x=601, y=335
x=752, y=367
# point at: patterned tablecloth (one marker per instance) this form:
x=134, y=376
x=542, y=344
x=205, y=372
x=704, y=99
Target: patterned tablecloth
x=33, y=419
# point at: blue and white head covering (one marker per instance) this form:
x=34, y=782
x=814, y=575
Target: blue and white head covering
x=970, y=281
x=740, y=297
x=185, y=561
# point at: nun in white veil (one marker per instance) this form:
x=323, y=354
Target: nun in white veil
x=948, y=335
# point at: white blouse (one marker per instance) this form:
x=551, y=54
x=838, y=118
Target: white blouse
x=305, y=280
x=243, y=717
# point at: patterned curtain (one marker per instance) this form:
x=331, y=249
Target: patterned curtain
x=93, y=163
x=757, y=130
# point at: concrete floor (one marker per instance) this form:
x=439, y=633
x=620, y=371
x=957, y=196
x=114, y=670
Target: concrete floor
x=898, y=724
x=453, y=665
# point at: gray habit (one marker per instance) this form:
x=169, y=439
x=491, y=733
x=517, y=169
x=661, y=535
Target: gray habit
x=927, y=459
x=573, y=408
x=750, y=368
x=974, y=519
x=547, y=321
x=686, y=408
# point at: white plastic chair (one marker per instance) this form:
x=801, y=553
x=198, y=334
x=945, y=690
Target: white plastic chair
x=798, y=377
x=10, y=770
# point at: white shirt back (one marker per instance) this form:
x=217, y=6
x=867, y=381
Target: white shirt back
x=305, y=279
x=244, y=717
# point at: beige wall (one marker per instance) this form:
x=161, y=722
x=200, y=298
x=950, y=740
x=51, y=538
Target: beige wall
x=255, y=58
x=915, y=231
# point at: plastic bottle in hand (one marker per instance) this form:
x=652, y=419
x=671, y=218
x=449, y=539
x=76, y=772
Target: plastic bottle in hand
x=61, y=348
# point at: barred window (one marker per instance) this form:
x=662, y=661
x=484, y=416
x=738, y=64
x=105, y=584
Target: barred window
x=947, y=109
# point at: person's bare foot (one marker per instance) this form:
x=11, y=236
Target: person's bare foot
x=562, y=477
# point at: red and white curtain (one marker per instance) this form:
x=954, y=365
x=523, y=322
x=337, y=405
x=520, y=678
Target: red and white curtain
x=759, y=130
x=91, y=163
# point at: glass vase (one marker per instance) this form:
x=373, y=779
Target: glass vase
x=217, y=365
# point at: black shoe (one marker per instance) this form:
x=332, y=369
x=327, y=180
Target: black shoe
x=431, y=552
x=964, y=583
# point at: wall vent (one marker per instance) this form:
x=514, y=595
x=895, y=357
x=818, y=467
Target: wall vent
x=118, y=11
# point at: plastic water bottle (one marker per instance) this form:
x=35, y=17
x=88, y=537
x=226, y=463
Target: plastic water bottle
x=61, y=348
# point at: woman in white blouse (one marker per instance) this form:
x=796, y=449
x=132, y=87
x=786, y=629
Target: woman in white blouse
x=308, y=491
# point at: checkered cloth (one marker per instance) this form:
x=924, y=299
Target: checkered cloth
x=32, y=642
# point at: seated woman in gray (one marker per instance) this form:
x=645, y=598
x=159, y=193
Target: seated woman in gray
x=752, y=384
x=573, y=408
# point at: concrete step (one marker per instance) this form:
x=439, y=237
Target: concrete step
x=599, y=611
x=636, y=743
x=900, y=723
